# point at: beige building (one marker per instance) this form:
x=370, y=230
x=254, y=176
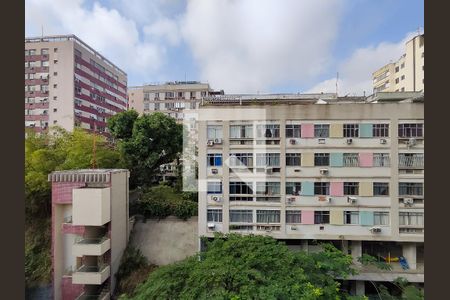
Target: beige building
x=69, y=84
x=344, y=170
x=406, y=74
x=90, y=231
x=170, y=98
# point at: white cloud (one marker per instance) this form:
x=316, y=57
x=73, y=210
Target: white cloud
x=355, y=72
x=249, y=46
x=164, y=28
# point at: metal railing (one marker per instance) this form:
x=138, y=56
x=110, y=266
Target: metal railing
x=411, y=161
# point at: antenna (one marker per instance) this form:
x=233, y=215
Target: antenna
x=94, y=148
x=42, y=31
x=337, y=79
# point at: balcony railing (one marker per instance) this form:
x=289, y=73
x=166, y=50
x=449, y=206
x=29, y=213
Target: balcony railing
x=413, y=162
x=91, y=274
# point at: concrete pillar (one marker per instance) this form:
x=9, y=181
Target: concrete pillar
x=410, y=253
x=344, y=245
x=356, y=248
x=304, y=245
x=360, y=289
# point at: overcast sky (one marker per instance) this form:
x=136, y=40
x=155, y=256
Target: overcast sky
x=244, y=46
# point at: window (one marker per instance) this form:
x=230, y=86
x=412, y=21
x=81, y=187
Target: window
x=411, y=218
x=180, y=95
x=351, y=130
x=293, y=131
x=321, y=130
x=214, y=215
x=423, y=54
x=214, y=187
x=241, y=159
x=410, y=130
x=293, y=188
x=241, y=216
x=402, y=89
x=402, y=65
x=55, y=61
x=410, y=188
x=44, y=88
x=321, y=159
x=293, y=217
x=351, y=159
x=56, y=98
x=381, y=189
x=169, y=95
x=55, y=110
x=268, y=188
x=214, y=132
x=380, y=130
x=402, y=77
x=321, y=188
x=397, y=80
x=241, y=131
x=27, y=52
x=214, y=160
x=241, y=188
x=267, y=159
x=146, y=106
x=45, y=63
x=381, y=218
x=203, y=93
x=321, y=217
x=381, y=160
x=157, y=106
x=397, y=69
x=55, y=86
x=351, y=188
x=55, y=50
x=55, y=121
x=32, y=51
x=44, y=51
x=268, y=131
x=268, y=216
x=351, y=217
x=55, y=73
x=292, y=159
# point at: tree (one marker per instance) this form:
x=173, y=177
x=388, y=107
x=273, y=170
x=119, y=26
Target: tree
x=250, y=267
x=155, y=139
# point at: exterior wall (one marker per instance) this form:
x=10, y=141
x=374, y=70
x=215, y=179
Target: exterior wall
x=136, y=99
x=91, y=206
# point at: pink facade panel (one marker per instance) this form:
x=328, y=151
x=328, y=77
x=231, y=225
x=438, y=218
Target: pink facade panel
x=307, y=217
x=366, y=159
x=75, y=229
x=69, y=290
x=336, y=188
x=62, y=191
x=307, y=130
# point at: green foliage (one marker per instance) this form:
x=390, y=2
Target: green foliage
x=37, y=253
x=367, y=259
x=154, y=140
x=132, y=259
x=249, y=267
x=162, y=201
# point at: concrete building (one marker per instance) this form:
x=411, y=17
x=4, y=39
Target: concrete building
x=69, y=84
x=305, y=169
x=89, y=231
x=407, y=73
x=170, y=98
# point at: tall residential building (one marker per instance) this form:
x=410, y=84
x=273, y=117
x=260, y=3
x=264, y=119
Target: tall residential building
x=69, y=84
x=170, y=98
x=90, y=230
x=349, y=171
x=406, y=74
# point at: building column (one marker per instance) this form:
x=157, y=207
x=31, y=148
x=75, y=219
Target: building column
x=344, y=245
x=410, y=253
x=304, y=245
x=360, y=289
x=356, y=248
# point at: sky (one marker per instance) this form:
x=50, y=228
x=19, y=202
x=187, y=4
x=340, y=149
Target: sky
x=240, y=46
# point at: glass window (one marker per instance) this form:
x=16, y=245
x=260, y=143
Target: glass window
x=410, y=189
x=241, y=188
x=293, y=217
x=321, y=130
x=44, y=51
x=411, y=218
x=321, y=159
x=45, y=63
x=321, y=188
x=214, y=215
x=214, y=132
x=381, y=160
x=241, y=216
x=293, y=159
x=241, y=159
x=268, y=159
x=293, y=131
x=321, y=217
x=268, y=216
x=351, y=217
x=410, y=130
x=380, y=130
x=214, y=160
x=293, y=188
x=381, y=218
x=32, y=51
x=268, y=131
x=268, y=188
x=381, y=189
x=214, y=187
x=351, y=188
x=351, y=130
x=351, y=159
x=241, y=131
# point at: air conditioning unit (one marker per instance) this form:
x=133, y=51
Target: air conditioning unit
x=294, y=228
x=408, y=201
x=291, y=199
x=210, y=143
x=328, y=199
x=321, y=141
x=292, y=141
x=351, y=200
x=268, y=170
x=218, y=141
x=217, y=198
x=411, y=142
x=375, y=229
x=214, y=171
x=324, y=171
x=211, y=226
x=269, y=229
x=383, y=141
x=349, y=141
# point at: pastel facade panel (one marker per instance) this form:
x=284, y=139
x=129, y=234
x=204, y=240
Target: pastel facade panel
x=366, y=130
x=307, y=188
x=307, y=130
x=336, y=189
x=366, y=159
x=307, y=159
x=336, y=130
x=366, y=218
x=337, y=217
x=366, y=189
x=336, y=159
x=307, y=217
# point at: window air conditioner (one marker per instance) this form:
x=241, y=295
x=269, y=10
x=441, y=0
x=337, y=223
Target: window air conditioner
x=290, y=199
x=214, y=171
x=268, y=170
x=269, y=229
x=411, y=142
x=328, y=199
x=294, y=228
x=375, y=229
x=210, y=143
x=216, y=198
x=408, y=201
x=383, y=141
x=351, y=200
x=323, y=171
x=321, y=141
x=211, y=226
x=349, y=141
x=217, y=141
x=292, y=141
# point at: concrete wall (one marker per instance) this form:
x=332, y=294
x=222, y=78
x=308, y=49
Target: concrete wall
x=166, y=241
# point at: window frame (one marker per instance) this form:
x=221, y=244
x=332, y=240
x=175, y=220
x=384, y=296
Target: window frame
x=321, y=130
x=246, y=215
x=215, y=184
x=351, y=217
x=351, y=188
x=214, y=159
x=320, y=187
x=291, y=185
x=321, y=217
x=293, y=216
x=293, y=159
x=321, y=159
x=351, y=130
x=215, y=214
x=380, y=130
x=380, y=189
x=293, y=131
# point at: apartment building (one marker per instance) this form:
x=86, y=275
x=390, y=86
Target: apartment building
x=69, y=84
x=347, y=171
x=170, y=98
x=407, y=73
x=90, y=231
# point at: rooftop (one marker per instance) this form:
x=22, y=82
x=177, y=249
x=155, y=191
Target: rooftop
x=83, y=175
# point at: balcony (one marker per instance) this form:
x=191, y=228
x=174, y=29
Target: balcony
x=91, y=274
x=91, y=246
x=375, y=274
x=89, y=296
x=411, y=162
x=91, y=206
